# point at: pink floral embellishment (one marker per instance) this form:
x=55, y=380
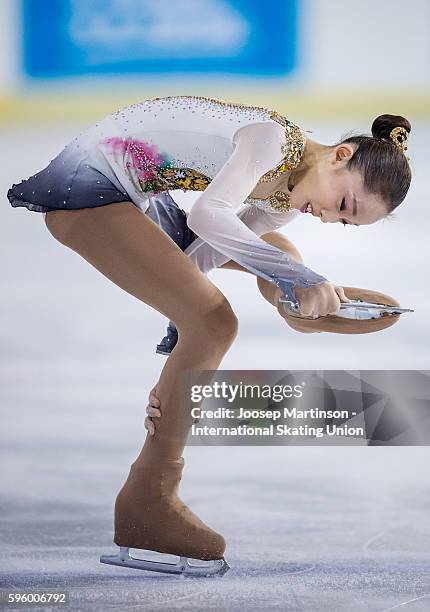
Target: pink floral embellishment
x=142, y=156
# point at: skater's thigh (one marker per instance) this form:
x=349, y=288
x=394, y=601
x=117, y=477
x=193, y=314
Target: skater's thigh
x=132, y=251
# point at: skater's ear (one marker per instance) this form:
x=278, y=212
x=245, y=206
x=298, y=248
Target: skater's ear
x=343, y=152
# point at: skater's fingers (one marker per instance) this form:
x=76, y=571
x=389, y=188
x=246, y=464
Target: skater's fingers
x=149, y=425
x=153, y=392
x=152, y=411
x=154, y=401
x=341, y=293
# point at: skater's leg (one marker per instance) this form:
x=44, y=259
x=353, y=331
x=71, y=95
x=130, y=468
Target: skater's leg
x=279, y=240
x=267, y=290
x=134, y=253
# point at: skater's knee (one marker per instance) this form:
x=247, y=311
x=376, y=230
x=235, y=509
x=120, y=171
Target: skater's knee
x=214, y=327
x=221, y=323
x=277, y=239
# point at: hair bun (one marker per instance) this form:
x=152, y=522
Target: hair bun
x=383, y=125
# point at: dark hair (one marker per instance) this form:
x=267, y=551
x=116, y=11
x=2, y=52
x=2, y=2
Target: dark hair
x=382, y=163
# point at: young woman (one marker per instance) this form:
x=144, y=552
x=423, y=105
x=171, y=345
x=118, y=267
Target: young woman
x=98, y=199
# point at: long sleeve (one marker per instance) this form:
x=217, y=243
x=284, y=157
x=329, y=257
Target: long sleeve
x=258, y=149
x=259, y=220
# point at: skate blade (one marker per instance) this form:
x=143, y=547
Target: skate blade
x=183, y=567
x=163, y=352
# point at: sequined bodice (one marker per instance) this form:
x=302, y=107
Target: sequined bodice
x=181, y=142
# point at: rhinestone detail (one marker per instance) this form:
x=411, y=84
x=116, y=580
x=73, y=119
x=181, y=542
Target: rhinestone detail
x=295, y=139
x=280, y=201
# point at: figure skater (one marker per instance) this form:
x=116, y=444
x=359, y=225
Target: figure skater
x=255, y=169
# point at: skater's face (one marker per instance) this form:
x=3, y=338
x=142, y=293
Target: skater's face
x=335, y=194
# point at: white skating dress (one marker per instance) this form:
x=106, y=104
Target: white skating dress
x=221, y=149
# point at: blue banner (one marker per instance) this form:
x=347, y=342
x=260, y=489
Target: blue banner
x=72, y=37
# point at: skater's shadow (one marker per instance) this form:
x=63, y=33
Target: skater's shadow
x=82, y=580
x=57, y=581
x=273, y=569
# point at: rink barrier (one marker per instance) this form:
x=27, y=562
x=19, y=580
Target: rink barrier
x=35, y=106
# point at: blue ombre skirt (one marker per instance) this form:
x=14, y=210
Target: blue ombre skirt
x=164, y=211
x=69, y=183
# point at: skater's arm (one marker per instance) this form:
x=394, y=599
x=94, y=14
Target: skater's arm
x=262, y=221
x=212, y=216
x=269, y=291
x=275, y=239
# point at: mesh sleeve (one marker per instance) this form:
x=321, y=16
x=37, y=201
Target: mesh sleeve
x=260, y=221
x=213, y=218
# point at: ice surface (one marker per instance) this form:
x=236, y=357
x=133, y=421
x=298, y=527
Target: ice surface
x=308, y=528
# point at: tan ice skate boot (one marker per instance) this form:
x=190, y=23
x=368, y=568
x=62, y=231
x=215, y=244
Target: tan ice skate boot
x=149, y=515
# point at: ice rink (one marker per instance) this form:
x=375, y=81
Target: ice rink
x=307, y=528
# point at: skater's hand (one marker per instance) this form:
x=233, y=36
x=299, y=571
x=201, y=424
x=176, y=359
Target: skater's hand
x=341, y=293
x=334, y=295
x=152, y=410
x=318, y=301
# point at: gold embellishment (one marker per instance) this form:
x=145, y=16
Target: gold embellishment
x=186, y=179
x=293, y=148
x=399, y=135
x=280, y=201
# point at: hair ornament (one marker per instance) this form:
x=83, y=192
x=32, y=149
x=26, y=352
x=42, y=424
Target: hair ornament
x=399, y=136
